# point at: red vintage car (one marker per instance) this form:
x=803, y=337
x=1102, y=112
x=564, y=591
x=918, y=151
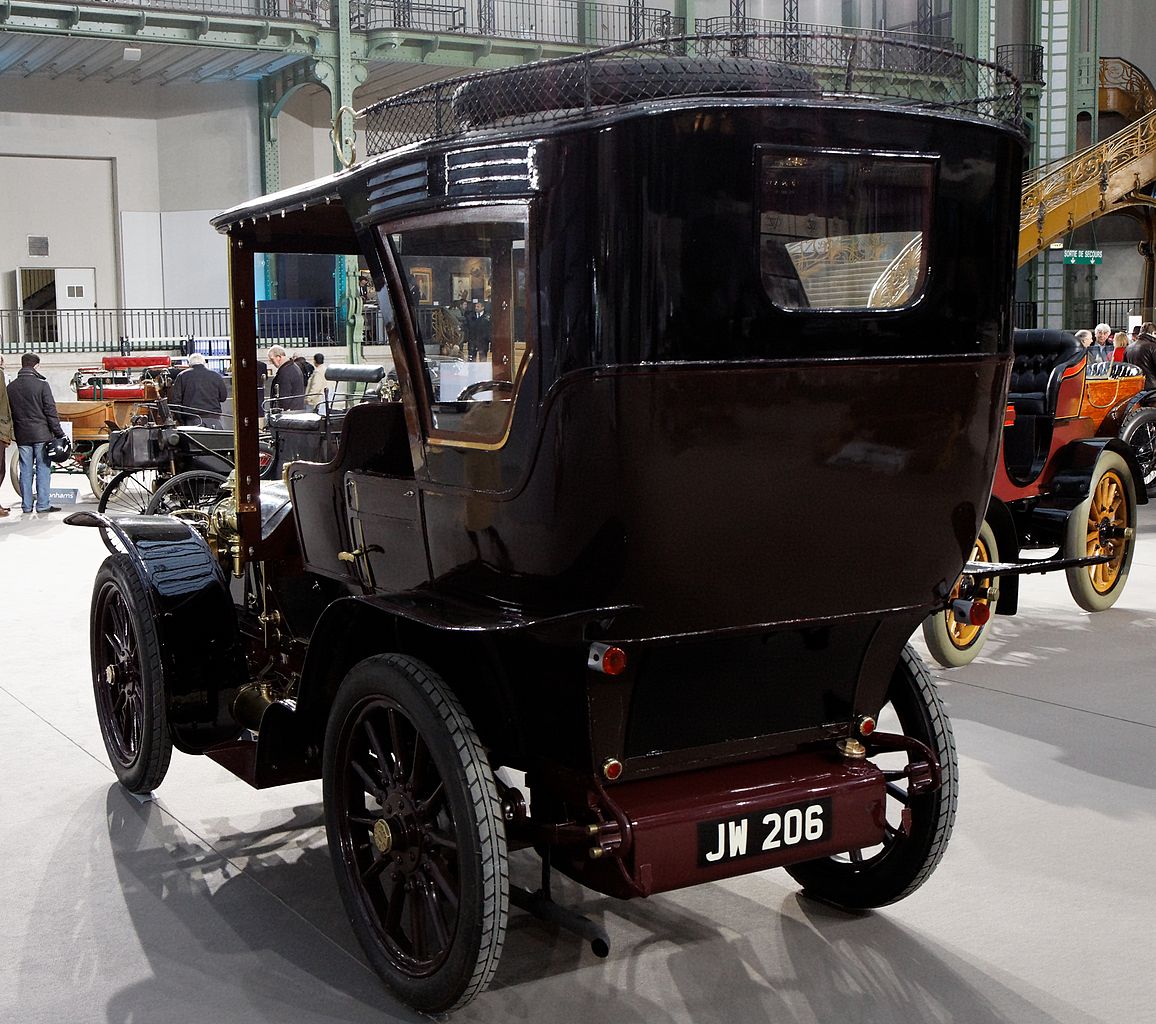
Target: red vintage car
x=1063, y=481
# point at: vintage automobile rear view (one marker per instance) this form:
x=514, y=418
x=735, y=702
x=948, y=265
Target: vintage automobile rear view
x=632, y=586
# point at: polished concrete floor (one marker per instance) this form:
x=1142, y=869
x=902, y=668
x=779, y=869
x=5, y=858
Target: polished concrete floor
x=213, y=902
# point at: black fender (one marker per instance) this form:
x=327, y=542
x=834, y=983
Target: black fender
x=466, y=643
x=1073, y=468
x=1143, y=400
x=1007, y=541
x=195, y=619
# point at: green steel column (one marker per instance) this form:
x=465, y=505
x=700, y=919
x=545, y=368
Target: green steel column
x=267, y=110
x=341, y=75
x=973, y=26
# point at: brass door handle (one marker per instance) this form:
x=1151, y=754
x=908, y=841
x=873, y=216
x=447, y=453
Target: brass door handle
x=350, y=556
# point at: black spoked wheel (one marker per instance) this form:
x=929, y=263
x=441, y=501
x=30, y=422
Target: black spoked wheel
x=415, y=832
x=1139, y=431
x=128, y=677
x=129, y=492
x=186, y=493
x=918, y=826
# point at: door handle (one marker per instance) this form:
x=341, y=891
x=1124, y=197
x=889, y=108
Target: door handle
x=350, y=556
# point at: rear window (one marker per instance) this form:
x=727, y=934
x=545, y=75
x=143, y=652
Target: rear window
x=843, y=230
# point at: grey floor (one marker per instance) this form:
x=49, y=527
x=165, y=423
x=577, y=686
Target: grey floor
x=213, y=902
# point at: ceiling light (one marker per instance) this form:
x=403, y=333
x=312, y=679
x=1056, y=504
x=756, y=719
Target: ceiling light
x=132, y=54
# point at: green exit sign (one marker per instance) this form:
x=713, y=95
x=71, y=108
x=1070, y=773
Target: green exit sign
x=1084, y=256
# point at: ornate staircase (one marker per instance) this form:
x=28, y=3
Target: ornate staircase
x=1106, y=178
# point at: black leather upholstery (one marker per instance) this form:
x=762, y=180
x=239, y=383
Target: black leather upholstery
x=1041, y=357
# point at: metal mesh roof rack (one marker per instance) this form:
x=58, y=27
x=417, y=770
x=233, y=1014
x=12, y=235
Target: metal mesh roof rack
x=806, y=64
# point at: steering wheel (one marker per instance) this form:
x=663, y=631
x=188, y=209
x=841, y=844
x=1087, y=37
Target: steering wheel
x=481, y=386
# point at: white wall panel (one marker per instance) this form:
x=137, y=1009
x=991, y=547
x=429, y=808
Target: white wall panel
x=140, y=240
x=195, y=257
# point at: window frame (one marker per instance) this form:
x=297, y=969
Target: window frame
x=508, y=211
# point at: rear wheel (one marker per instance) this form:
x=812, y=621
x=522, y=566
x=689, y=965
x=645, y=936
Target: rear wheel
x=950, y=642
x=195, y=491
x=1139, y=432
x=918, y=827
x=129, y=492
x=128, y=677
x=415, y=832
x=1103, y=524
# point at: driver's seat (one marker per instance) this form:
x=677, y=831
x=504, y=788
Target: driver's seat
x=1042, y=358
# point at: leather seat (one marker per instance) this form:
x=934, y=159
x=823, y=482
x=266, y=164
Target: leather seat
x=1041, y=358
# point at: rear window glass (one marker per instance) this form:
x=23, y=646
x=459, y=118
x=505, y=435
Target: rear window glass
x=843, y=230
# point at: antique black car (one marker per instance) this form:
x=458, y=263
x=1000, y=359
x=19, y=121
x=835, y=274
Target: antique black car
x=627, y=589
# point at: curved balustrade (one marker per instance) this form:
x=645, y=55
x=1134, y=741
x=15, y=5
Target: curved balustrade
x=1065, y=194
x=1125, y=89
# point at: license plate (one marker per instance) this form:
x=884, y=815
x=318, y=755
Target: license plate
x=767, y=831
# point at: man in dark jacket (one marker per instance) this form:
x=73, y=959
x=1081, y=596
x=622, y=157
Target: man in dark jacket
x=288, y=391
x=479, y=332
x=36, y=422
x=1142, y=353
x=199, y=391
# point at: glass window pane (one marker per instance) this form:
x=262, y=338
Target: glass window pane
x=842, y=230
x=465, y=280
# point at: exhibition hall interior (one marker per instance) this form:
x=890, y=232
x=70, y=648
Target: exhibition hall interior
x=562, y=510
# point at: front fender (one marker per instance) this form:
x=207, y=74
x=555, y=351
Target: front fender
x=194, y=617
x=1074, y=465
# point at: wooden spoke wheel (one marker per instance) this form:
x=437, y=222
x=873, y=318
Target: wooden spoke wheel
x=98, y=471
x=1103, y=524
x=917, y=827
x=127, y=677
x=953, y=643
x=415, y=832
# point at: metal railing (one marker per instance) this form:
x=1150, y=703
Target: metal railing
x=1025, y=61
x=1026, y=315
x=584, y=24
x=821, y=46
x=425, y=17
x=1115, y=312
x=118, y=330
x=561, y=21
x=320, y=12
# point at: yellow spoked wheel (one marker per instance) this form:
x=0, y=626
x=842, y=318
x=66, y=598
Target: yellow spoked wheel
x=1103, y=524
x=953, y=643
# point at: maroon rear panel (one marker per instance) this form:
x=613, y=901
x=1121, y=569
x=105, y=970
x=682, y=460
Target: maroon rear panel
x=732, y=820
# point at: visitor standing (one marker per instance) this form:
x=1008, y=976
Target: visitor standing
x=35, y=423
x=5, y=430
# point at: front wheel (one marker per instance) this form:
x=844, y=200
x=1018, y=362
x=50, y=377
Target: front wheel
x=953, y=643
x=128, y=677
x=1103, y=524
x=14, y=469
x=917, y=827
x=415, y=833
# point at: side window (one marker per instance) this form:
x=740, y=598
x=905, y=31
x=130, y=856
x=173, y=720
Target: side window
x=464, y=274
x=842, y=230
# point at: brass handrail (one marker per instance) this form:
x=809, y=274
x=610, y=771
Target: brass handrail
x=1066, y=194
